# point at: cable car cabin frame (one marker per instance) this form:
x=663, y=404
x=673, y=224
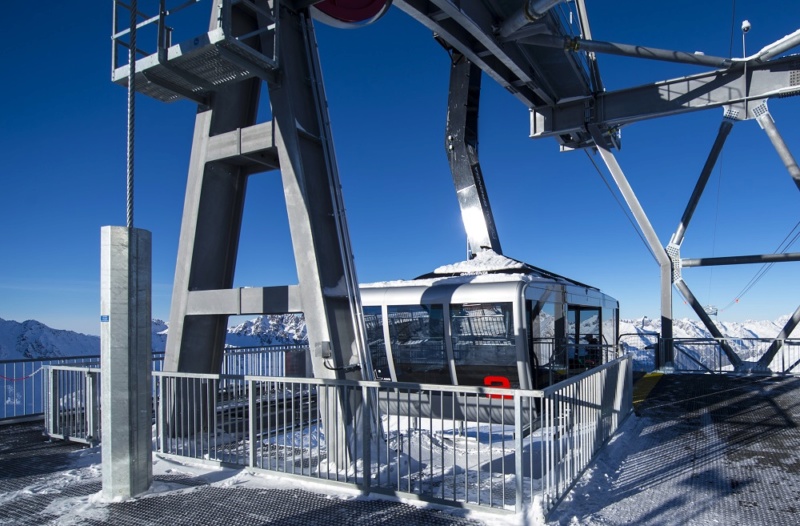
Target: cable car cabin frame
x=513, y=330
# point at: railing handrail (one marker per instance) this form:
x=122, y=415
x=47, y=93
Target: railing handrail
x=59, y=367
x=160, y=354
x=549, y=390
x=334, y=382
x=85, y=357
x=726, y=338
x=267, y=348
x=266, y=408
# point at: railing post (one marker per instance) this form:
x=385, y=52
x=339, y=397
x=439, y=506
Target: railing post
x=92, y=408
x=366, y=438
x=518, y=478
x=52, y=400
x=252, y=414
x=161, y=406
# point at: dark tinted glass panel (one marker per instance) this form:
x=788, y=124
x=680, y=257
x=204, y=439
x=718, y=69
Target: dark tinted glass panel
x=373, y=319
x=417, y=337
x=484, y=344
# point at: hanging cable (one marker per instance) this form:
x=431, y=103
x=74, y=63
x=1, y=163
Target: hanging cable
x=131, y=111
x=733, y=28
x=782, y=247
x=624, y=210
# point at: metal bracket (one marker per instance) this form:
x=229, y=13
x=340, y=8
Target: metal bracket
x=674, y=253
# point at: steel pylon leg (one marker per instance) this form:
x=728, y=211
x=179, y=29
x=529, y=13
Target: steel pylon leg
x=227, y=148
x=461, y=144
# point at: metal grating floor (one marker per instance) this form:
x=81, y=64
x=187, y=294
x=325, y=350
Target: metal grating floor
x=30, y=495
x=701, y=449
x=740, y=437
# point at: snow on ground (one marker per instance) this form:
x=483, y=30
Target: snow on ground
x=587, y=504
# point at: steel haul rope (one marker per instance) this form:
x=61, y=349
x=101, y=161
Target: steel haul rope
x=131, y=111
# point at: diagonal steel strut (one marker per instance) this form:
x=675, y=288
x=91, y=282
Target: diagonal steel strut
x=655, y=246
x=724, y=130
x=767, y=124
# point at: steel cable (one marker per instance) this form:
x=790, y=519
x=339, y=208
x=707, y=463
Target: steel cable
x=131, y=111
x=782, y=248
x=624, y=210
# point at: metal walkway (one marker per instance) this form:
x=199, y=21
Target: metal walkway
x=35, y=482
x=701, y=449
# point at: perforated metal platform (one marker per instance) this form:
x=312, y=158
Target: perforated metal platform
x=195, y=67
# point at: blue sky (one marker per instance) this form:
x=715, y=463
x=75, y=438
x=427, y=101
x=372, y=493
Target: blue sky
x=63, y=140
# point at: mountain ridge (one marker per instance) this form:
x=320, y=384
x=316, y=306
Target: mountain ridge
x=32, y=339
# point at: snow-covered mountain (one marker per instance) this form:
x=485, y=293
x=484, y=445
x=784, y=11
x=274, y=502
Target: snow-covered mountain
x=274, y=329
x=32, y=339
x=686, y=328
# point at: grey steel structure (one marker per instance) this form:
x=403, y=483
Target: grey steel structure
x=553, y=71
x=545, y=58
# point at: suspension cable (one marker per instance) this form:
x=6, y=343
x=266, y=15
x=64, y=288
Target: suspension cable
x=761, y=272
x=131, y=111
x=733, y=28
x=624, y=210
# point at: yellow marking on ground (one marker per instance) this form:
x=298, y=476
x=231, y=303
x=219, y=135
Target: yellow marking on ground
x=644, y=386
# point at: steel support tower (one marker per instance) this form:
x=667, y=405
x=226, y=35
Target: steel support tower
x=250, y=44
x=545, y=59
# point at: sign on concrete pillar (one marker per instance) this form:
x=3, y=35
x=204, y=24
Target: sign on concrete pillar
x=125, y=349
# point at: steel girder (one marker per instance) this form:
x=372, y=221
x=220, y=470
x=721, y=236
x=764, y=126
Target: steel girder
x=470, y=27
x=741, y=90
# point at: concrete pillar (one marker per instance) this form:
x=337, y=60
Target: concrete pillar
x=125, y=355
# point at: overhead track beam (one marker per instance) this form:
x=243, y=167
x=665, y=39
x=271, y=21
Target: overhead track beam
x=576, y=44
x=471, y=28
x=778, y=78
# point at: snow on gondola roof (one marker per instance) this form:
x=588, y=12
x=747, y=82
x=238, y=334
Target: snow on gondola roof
x=486, y=267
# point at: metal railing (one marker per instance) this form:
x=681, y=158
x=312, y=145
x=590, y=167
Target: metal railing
x=72, y=409
x=707, y=354
x=22, y=385
x=558, y=359
x=71, y=393
x=267, y=360
x=645, y=347
x=437, y=443
x=581, y=415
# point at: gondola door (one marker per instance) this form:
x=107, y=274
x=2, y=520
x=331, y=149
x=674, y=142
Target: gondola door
x=583, y=336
